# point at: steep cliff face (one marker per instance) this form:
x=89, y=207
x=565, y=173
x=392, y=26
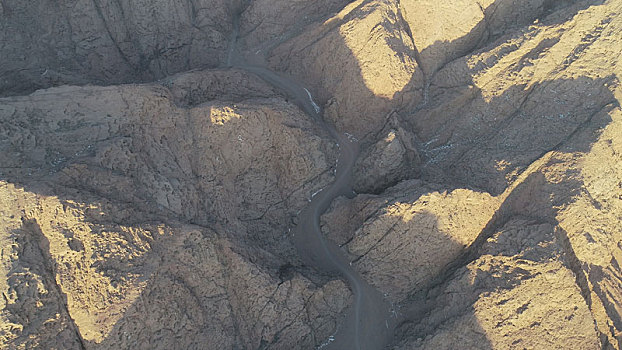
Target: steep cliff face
x=378, y=56
x=99, y=274
x=158, y=214
x=106, y=41
x=523, y=135
x=136, y=215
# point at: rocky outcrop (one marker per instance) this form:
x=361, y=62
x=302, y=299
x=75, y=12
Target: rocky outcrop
x=98, y=274
x=545, y=116
x=369, y=70
x=250, y=164
x=518, y=294
x=412, y=234
x=266, y=23
x=158, y=214
x=492, y=113
x=105, y=41
x=134, y=223
x=390, y=160
x=522, y=134
x=383, y=54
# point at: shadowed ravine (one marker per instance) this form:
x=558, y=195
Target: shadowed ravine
x=370, y=321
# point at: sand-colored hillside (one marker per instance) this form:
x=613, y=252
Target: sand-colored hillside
x=156, y=157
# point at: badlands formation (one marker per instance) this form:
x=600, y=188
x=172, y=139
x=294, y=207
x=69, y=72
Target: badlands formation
x=164, y=165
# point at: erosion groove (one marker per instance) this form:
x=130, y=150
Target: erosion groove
x=42, y=245
x=311, y=174
x=362, y=328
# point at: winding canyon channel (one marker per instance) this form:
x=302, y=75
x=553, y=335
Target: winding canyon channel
x=370, y=321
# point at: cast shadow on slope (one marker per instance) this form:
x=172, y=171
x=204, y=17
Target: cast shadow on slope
x=395, y=246
x=111, y=234
x=133, y=145
x=517, y=132
x=129, y=219
x=192, y=290
x=362, y=99
x=105, y=42
x=548, y=184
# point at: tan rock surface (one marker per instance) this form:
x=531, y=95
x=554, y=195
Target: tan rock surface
x=368, y=69
x=75, y=275
x=98, y=179
x=265, y=23
x=518, y=294
x=390, y=160
x=412, y=234
x=104, y=41
x=251, y=164
x=545, y=131
x=507, y=100
x=156, y=215
x=540, y=133
x=365, y=61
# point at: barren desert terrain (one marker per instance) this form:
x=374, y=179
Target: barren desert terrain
x=311, y=174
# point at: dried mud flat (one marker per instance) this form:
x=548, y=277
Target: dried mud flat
x=311, y=174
